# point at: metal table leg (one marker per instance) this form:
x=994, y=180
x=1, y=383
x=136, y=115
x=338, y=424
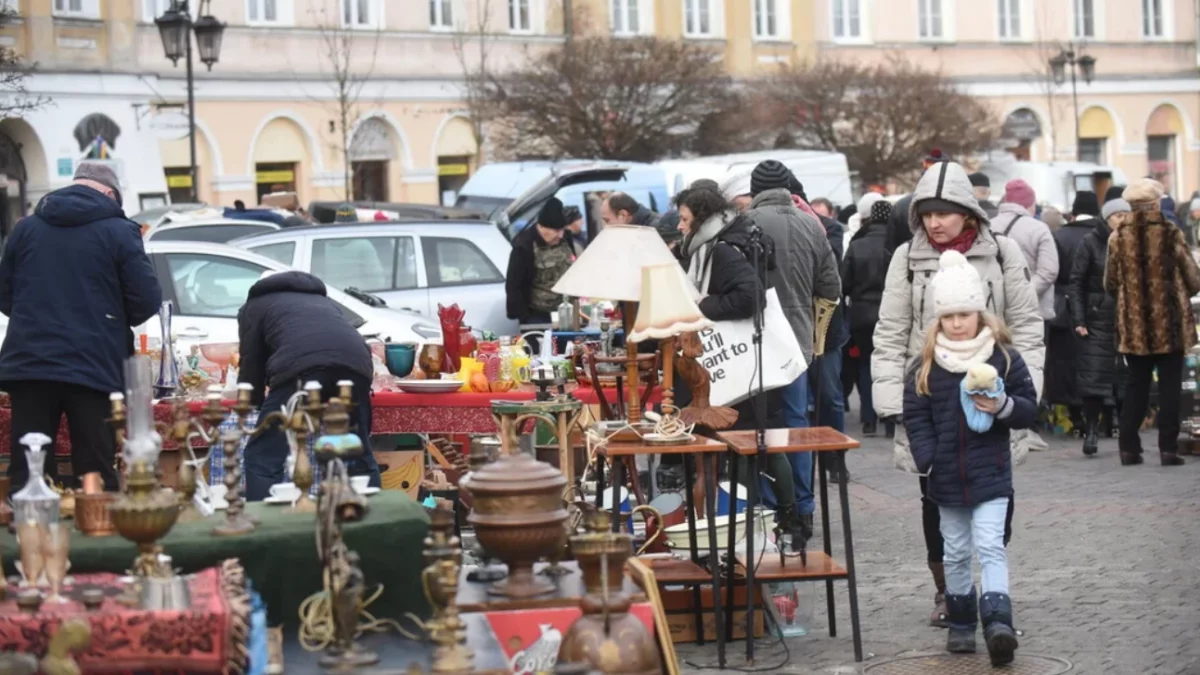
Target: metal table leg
x=826, y=542
x=839, y=462
x=600, y=459
x=689, y=470
x=751, y=562
x=618, y=479
x=714, y=560
x=731, y=554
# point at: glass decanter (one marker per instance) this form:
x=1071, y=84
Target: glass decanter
x=35, y=510
x=168, y=367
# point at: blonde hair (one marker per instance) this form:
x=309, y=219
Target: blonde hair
x=986, y=320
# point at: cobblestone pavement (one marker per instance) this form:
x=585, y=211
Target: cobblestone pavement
x=1104, y=563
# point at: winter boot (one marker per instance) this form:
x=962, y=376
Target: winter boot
x=960, y=610
x=1131, y=458
x=869, y=429
x=1091, y=439
x=1171, y=459
x=938, y=618
x=799, y=527
x=995, y=610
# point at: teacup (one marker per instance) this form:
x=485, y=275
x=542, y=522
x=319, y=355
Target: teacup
x=359, y=483
x=285, y=491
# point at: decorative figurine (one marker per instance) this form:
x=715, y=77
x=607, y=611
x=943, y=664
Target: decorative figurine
x=74, y=635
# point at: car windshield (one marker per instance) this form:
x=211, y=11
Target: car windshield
x=490, y=206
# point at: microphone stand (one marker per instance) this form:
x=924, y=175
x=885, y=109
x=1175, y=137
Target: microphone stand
x=757, y=259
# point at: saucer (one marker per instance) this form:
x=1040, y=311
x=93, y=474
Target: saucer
x=367, y=492
x=280, y=500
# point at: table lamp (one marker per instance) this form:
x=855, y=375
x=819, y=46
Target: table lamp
x=610, y=268
x=667, y=310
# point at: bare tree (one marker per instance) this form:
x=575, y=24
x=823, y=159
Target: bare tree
x=634, y=99
x=348, y=58
x=1041, y=75
x=472, y=46
x=15, y=97
x=885, y=118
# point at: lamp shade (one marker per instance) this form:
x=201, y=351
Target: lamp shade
x=610, y=268
x=667, y=308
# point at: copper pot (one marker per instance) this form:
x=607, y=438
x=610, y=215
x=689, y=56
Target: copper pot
x=622, y=647
x=518, y=517
x=91, y=514
x=431, y=359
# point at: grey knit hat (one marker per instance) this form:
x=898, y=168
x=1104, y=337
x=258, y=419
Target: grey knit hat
x=1114, y=207
x=102, y=174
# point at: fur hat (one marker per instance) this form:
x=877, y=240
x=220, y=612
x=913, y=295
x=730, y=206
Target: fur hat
x=956, y=286
x=1143, y=193
x=1114, y=207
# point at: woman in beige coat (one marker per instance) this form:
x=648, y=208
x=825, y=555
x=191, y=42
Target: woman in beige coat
x=944, y=215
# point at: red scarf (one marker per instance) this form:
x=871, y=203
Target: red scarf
x=962, y=243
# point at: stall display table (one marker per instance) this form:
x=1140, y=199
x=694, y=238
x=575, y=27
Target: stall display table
x=280, y=557
x=209, y=637
x=830, y=446
x=681, y=572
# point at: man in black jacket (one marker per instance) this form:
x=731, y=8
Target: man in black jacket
x=74, y=278
x=291, y=334
x=864, y=271
x=541, y=254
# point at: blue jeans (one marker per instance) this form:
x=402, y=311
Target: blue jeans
x=266, y=455
x=983, y=525
x=831, y=408
x=795, y=414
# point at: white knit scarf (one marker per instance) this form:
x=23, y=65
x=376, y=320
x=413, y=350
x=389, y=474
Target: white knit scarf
x=957, y=356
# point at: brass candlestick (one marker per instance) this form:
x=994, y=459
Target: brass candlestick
x=143, y=515
x=187, y=485
x=236, y=523
x=447, y=630
x=303, y=471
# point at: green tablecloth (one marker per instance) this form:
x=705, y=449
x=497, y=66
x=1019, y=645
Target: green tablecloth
x=280, y=557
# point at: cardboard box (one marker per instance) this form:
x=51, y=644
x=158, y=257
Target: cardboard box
x=405, y=469
x=682, y=620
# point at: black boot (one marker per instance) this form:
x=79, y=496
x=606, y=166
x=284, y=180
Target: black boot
x=995, y=610
x=889, y=429
x=1091, y=439
x=799, y=527
x=960, y=611
x=869, y=429
x=1170, y=459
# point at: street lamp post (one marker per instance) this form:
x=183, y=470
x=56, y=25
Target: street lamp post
x=1086, y=67
x=175, y=27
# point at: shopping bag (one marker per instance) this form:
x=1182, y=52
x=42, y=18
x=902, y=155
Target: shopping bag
x=729, y=355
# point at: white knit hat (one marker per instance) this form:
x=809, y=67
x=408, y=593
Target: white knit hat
x=736, y=185
x=956, y=286
x=866, y=202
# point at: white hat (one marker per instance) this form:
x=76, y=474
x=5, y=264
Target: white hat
x=866, y=202
x=956, y=286
x=736, y=185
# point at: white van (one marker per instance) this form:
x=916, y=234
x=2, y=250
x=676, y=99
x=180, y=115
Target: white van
x=823, y=174
x=1054, y=183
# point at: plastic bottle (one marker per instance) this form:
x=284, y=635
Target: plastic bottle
x=506, y=359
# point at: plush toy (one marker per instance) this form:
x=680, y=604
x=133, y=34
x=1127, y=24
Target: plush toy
x=981, y=379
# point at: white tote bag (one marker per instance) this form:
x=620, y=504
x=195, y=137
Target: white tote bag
x=730, y=360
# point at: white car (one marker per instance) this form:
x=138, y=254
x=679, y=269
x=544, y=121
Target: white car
x=216, y=231
x=208, y=284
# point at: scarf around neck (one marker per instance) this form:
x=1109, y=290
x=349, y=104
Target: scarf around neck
x=962, y=243
x=697, y=247
x=957, y=356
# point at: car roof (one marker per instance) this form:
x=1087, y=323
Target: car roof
x=464, y=228
x=176, y=224
x=155, y=247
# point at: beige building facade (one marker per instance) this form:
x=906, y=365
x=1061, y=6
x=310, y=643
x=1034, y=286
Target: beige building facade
x=1139, y=113
x=268, y=117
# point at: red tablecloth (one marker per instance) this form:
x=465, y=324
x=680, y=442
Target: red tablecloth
x=393, y=413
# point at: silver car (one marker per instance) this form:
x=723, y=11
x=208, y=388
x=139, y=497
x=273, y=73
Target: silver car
x=410, y=265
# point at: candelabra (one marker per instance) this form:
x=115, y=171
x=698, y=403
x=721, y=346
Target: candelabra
x=447, y=630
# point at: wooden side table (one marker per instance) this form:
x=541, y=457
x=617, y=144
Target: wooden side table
x=562, y=414
x=709, y=450
x=831, y=446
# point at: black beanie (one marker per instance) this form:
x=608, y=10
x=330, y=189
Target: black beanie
x=881, y=211
x=843, y=216
x=551, y=215
x=1085, y=204
x=1114, y=192
x=795, y=186
x=770, y=175
x=979, y=179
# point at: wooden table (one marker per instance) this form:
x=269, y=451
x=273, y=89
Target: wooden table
x=830, y=446
x=709, y=450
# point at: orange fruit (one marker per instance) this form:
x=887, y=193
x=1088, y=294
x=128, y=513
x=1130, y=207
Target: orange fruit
x=479, y=382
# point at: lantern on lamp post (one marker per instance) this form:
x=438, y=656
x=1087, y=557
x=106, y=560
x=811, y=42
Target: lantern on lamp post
x=1081, y=64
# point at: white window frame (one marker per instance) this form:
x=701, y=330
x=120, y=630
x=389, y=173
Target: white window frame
x=863, y=33
x=644, y=9
x=1004, y=10
x=783, y=20
x=284, y=13
x=442, y=23
x=1077, y=14
x=376, y=20
x=513, y=9
x=925, y=20
x=89, y=9
x=716, y=19
x=1167, y=7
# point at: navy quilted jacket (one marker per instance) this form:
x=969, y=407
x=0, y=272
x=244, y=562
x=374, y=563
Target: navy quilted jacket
x=966, y=468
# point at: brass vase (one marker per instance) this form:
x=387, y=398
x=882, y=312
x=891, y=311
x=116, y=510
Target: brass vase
x=431, y=359
x=143, y=515
x=607, y=636
x=518, y=518
x=92, y=517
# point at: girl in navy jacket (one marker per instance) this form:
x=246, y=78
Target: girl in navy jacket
x=969, y=390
